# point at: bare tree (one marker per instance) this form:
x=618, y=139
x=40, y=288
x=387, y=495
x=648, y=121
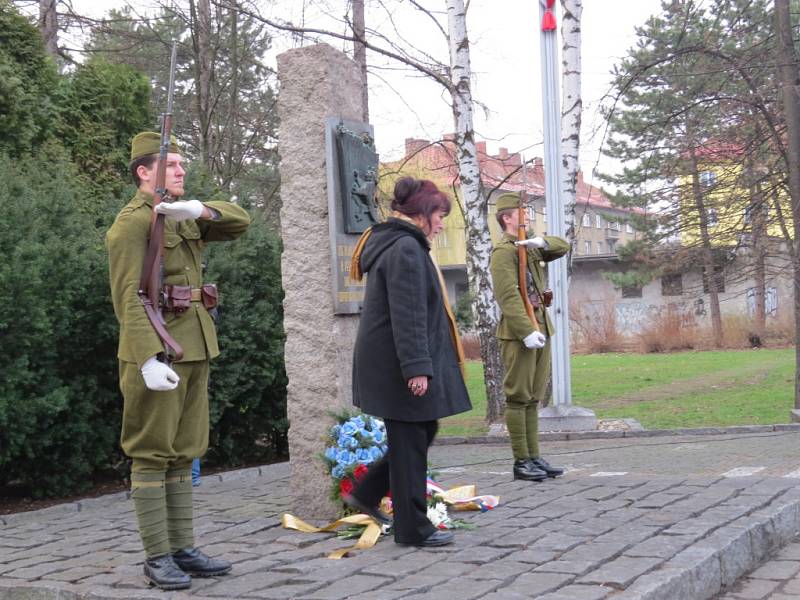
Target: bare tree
x=48, y=25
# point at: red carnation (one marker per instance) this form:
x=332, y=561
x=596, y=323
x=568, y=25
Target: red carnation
x=359, y=472
x=345, y=486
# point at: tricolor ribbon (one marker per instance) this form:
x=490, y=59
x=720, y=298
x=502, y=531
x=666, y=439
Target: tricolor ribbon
x=549, y=19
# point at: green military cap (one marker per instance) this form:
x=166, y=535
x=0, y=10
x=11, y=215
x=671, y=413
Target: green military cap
x=506, y=201
x=149, y=142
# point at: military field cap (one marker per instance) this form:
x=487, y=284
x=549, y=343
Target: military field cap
x=506, y=201
x=149, y=142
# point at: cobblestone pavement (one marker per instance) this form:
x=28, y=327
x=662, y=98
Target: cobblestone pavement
x=672, y=517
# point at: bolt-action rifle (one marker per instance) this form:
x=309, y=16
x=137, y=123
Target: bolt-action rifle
x=152, y=280
x=522, y=259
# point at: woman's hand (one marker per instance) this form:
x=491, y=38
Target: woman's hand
x=418, y=385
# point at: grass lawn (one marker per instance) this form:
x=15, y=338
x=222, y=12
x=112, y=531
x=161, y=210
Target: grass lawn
x=682, y=389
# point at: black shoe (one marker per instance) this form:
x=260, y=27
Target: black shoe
x=380, y=517
x=439, y=537
x=524, y=469
x=162, y=572
x=543, y=465
x=194, y=562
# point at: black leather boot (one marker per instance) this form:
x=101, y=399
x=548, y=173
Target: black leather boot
x=194, y=562
x=543, y=465
x=162, y=572
x=525, y=470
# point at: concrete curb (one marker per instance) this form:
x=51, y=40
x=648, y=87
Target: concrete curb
x=561, y=436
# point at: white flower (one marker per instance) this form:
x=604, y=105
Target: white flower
x=437, y=515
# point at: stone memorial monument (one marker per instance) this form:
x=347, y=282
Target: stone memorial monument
x=328, y=176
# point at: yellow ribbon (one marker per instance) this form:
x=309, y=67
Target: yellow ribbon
x=368, y=538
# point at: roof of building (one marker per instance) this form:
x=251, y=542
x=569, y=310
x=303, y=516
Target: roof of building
x=502, y=171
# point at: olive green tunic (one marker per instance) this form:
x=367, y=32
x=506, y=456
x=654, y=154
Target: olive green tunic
x=165, y=429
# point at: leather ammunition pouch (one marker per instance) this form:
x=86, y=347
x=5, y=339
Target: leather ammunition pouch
x=547, y=297
x=178, y=298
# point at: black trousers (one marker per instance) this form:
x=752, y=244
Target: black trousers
x=403, y=470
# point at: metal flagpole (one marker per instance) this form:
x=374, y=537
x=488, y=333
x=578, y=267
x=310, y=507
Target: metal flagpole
x=564, y=415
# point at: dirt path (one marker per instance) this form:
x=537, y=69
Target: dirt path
x=719, y=380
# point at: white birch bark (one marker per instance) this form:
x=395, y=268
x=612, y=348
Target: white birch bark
x=479, y=244
x=48, y=25
x=571, y=106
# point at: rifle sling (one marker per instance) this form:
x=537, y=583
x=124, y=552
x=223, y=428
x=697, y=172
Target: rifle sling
x=149, y=291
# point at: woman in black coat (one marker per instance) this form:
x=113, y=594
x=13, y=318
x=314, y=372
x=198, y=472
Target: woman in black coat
x=407, y=358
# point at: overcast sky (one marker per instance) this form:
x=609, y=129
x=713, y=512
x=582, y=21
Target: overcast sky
x=504, y=36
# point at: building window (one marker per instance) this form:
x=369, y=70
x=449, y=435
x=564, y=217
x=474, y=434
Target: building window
x=672, y=285
x=599, y=247
x=587, y=220
x=614, y=225
x=707, y=178
x=531, y=212
x=712, y=217
x=598, y=221
x=588, y=247
x=628, y=228
x=631, y=291
x=544, y=214
x=441, y=240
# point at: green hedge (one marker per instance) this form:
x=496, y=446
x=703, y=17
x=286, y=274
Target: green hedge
x=60, y=404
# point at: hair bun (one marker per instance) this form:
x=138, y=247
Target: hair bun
x=405, y=188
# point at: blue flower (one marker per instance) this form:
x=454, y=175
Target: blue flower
x=337, y=471
x=358, y=421
x=346, y=458
x=335, y=431
x=364, y=456
x=348, y=429
x=379, y=437
x=347, y=442
x=331, y=453
x=376, y=453
x=366, y=436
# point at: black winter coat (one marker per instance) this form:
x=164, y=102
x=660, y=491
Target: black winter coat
x=404, y=331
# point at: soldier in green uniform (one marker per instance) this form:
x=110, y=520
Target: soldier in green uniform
x=525, y=351
x=165, y=415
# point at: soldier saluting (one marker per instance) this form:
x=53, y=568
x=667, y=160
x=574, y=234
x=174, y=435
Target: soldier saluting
x=165, y=416
x=524, y=344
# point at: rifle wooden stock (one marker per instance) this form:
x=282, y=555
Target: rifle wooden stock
x=522, y=260
x=151, y=282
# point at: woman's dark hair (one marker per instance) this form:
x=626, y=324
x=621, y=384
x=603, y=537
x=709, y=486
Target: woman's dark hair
x=419, y=197
x=146, y=161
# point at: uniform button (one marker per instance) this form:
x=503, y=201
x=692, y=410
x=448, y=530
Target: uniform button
x=187, y=268
x=542, y=263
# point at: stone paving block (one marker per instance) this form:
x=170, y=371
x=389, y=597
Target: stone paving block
x=628, y=535
x=663, y=584
x=776, y=570
x=557, y=541
x=535, y=557
x=621, y=571
x=661, y=546
x=573, y=567
x=416, y=582
x=594, y=551
x=72, y=575
x=462, y=589
x=735, y=553
x=503, y=570
x=754, y=589
x=703, y=567
x=410, y=563
x=579, y=592
x=246, y=584
x=479, y=556
x=789, y=552
x=792, y=587
x=353, y=584
x=450, y=569
x=519, y=538
x=503, y=594
x=534, y=584
x=13, y=590
x=658, y=500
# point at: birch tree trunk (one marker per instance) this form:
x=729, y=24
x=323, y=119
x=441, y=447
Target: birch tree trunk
x=479, y=244
x=571, y=107
x=786, y=61
x=48, y=25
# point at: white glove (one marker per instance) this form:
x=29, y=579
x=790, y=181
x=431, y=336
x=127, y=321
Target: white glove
x=536, y=242
x=158, y=376
x=181, y=210
x=535, y=340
